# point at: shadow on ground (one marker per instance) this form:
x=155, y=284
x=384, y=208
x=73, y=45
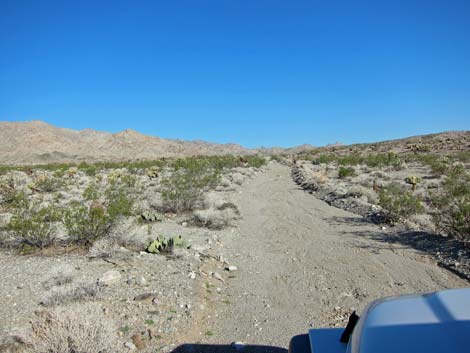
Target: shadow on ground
x=212, y=348
x=446, y=250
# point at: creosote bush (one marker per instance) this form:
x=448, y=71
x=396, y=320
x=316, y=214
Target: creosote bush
x=33, y=227
x=48, y=184
x=452, y=206
x=371, y=160
x=87, y=224
x=399, y=204
x=183, y=188
x=345, y=172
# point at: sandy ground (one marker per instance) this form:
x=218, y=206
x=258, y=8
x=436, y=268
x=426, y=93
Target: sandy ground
x=301, y=263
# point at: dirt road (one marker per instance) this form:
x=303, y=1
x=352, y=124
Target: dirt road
x=303, y=263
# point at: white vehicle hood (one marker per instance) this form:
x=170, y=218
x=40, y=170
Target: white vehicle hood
x=431, y=323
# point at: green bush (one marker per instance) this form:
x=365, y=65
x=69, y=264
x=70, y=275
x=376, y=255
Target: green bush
x=33, y=227
x=345, y=172
x=351, y=159
x=184, y=187
x=452, y=206
x=324, y=159
x=255, y=161
x=10, y=196
x=438, y=164
x=120, y=203
x=91, y=192
x=389, y=159
x=48, y=184
x=399, y=204
x=86, y=224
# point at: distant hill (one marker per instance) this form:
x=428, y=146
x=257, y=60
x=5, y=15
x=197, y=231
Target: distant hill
x=37, y=142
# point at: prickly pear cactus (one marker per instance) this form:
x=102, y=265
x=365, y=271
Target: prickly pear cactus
x=151, y=217
x=162, y=245
x=154, y=246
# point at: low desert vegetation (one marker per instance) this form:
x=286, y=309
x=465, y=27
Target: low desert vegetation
x=71, y=330
x=399, y=204
x=33, y=226
x=182, y=189
x=437, y=184
x=452, y=205
x=87, y=201
x=345, y=172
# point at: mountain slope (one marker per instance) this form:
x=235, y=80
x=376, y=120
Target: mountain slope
x=37, y=142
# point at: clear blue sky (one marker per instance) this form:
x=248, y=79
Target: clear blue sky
x=253, y=72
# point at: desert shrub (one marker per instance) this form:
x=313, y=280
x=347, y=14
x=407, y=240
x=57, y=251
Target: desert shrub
x=436, y=163
x=216, y=218
x=389, y=159
x=59, y=276
x=184, y=187
x=399, y=204
x=345, y=172
x=463, y=156
x=255, y=161
x=88, y=169
x=86, y=224
x=74, y=329
x=324, y=159
x=120, y=203
x=91, y=192
x=351, y=159
x=10, y=196
x=71, y=293
x=33, y=227
x=48, y=184
x=278, y=158
x=452, y=206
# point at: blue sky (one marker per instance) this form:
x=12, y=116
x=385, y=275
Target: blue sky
x=253, y=72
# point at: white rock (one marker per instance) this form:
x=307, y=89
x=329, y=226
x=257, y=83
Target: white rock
x=130, y=346
x=231, y=268
x=110, y=277
x=217, y=276
x=141, y=281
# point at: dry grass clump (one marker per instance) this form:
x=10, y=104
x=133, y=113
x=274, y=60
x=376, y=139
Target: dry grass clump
x=59, y=276
x=217, y=218
x=71, y=293
x=78, y=329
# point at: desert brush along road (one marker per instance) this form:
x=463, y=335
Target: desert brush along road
x=302, y=263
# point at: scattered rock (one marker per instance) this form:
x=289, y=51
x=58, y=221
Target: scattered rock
x=110, y=277
x=130, y=346
x=231, y=268
x=217, y=276
x=145, y=297
x=141, y=281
